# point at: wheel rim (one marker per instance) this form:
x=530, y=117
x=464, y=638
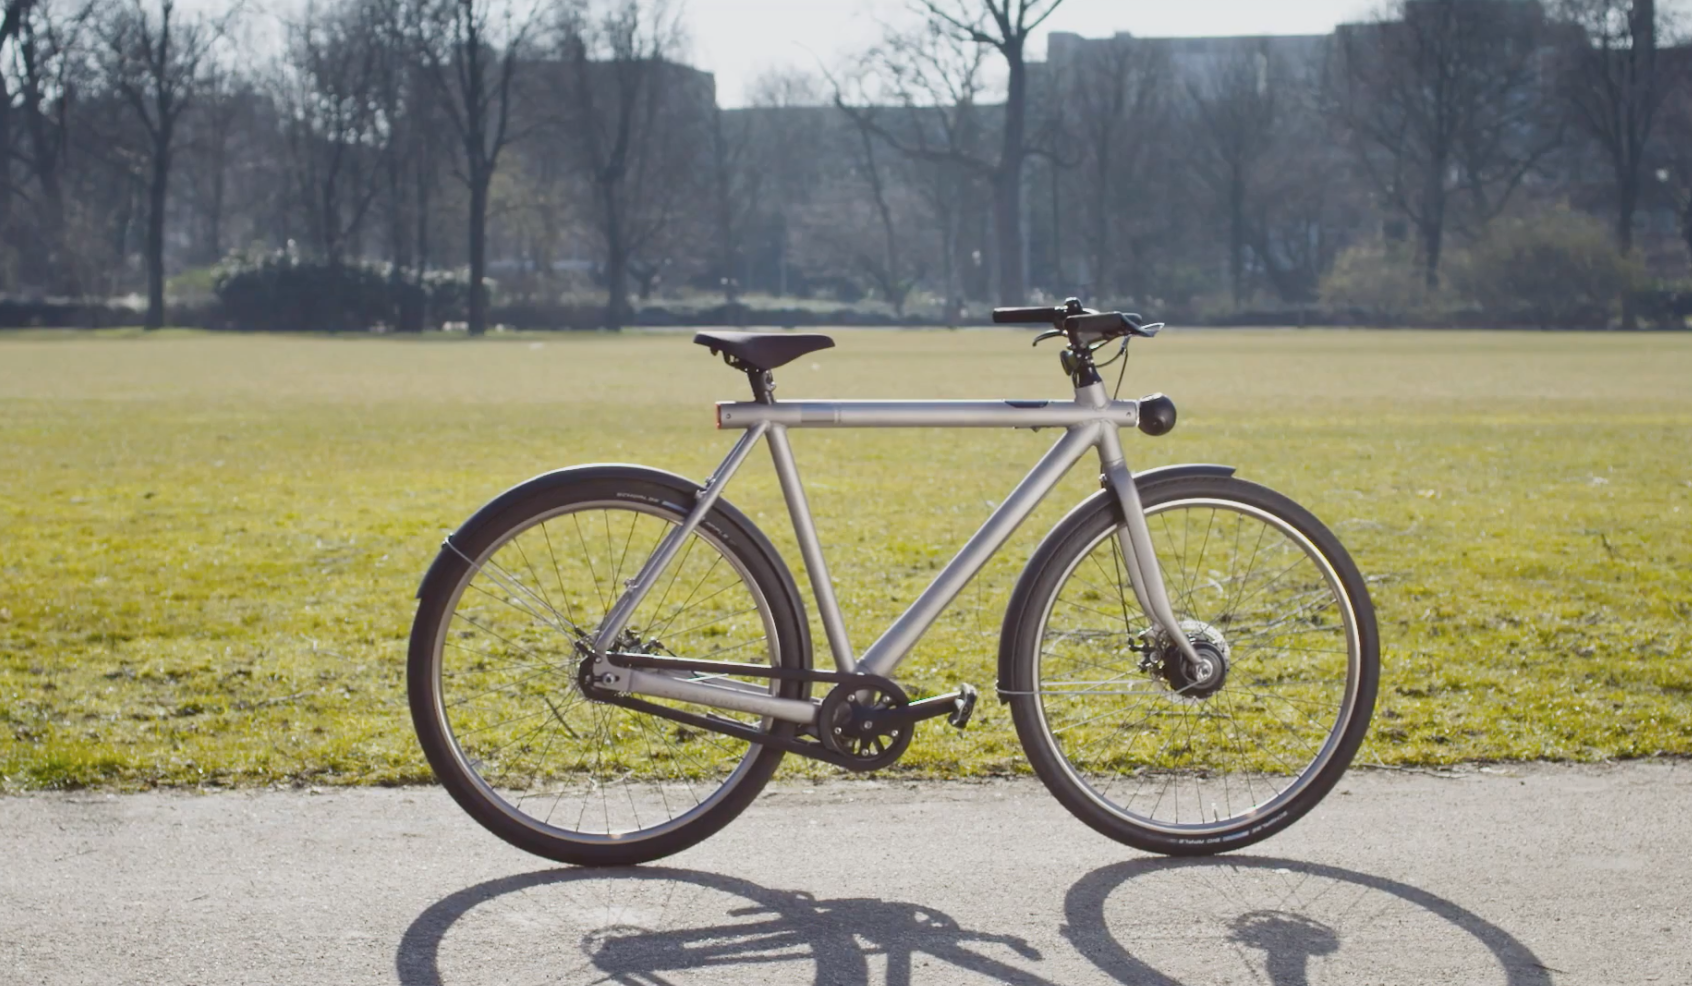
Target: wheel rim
x=1155, y=747
x=506, y=658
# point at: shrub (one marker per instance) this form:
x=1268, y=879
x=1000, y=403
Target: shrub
x=1557, y=268
x=1379, y=282
x=279, y=292
x=1665, y=304
x=62, y=313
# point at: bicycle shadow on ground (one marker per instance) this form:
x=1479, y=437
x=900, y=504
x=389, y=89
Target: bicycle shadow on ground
x=1164, y=922
x=656, y=924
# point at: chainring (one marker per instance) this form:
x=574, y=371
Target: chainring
x=854, y=723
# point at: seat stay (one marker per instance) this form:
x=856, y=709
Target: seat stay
x=660, y=558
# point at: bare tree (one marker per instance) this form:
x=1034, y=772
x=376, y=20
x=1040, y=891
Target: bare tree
x=329, y=93
x=795, y=154
x=471, y=49
x=11, y=18
x=1675, y=170
x=156, y=62
x=632, y=130
x=1237, y=107
x=1615, y=83
x=1445, y=106
x=413, y=128
x=937, y=83
x=1115, y=100
x=1307, y=204
x=882, y=255
x=44, y=65
x=1004, y=27
x=737, y=180
x=210, y=145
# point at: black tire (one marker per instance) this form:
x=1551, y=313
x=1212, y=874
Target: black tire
x=497, y=643
x=1126, y=735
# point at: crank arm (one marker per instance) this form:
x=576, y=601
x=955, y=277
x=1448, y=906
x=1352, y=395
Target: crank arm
x=958, y=706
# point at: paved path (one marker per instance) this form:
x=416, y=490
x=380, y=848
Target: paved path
x=1523, y=876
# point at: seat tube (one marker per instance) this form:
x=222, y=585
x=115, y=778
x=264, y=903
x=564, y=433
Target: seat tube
x=805, y=530
x=1144, y=573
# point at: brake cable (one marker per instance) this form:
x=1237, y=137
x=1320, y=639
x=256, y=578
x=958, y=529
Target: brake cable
x=1121, y=354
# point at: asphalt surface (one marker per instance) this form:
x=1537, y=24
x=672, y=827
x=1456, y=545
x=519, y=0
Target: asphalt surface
x=1517, y=875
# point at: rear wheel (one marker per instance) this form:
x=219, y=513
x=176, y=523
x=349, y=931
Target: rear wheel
x=506, y=618
x=1163, y=753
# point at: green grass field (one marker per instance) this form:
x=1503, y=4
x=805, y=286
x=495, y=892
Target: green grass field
x=209, y=544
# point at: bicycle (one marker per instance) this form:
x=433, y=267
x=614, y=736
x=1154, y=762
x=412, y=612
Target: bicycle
x=608, y=662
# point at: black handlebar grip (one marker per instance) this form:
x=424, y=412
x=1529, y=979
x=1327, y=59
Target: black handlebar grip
x=1024, y=315
x=1102, y=323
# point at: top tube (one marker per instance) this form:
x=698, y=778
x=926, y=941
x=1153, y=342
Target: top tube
x=926, y=414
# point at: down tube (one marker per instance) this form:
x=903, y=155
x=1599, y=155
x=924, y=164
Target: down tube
x=885, y=654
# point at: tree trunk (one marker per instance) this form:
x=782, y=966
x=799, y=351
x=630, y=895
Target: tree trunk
x=949, y=268
x=156, y=190
x=1433, y=235
x=1007, y=181
x=1236, y=235
x=1432, y=223
x=329, y=229
x=1627, y=203
x=616, y=266
x=1686, y=225
x=214, y=221
x=5, y=155
x=63, y=273
x=1100, y=285
x=414, y=308
x=478, y=314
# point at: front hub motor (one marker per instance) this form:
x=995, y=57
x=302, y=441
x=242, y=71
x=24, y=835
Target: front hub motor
x=855, y=721
x=1202, y=678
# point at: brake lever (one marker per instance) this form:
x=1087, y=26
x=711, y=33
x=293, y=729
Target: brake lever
x=1049, y=334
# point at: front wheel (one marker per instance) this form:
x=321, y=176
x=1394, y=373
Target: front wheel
x=1152, y=749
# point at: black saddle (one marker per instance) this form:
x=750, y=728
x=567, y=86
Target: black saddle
x=761, y=350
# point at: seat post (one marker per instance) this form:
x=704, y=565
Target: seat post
x=763, y=385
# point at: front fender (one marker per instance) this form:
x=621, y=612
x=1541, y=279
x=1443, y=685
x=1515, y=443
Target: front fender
x=1185, y=471
x=1103, y=499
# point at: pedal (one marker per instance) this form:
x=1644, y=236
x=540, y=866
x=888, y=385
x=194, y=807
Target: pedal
x=963, y=706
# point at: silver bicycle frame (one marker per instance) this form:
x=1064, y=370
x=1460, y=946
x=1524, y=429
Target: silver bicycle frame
x=1091, y=421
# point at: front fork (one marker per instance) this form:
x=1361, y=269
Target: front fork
x=1144, y=573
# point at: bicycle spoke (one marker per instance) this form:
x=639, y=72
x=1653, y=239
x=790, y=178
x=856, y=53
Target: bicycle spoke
x=509, y=690
x=1176, y=754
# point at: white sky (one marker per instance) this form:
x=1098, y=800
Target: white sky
x=740, y=39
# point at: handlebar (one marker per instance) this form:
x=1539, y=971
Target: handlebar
x=1087, y=330
x=1030, y=316
x=1081, y=324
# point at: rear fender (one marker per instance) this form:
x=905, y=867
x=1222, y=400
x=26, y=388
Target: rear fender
x=686, y=492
